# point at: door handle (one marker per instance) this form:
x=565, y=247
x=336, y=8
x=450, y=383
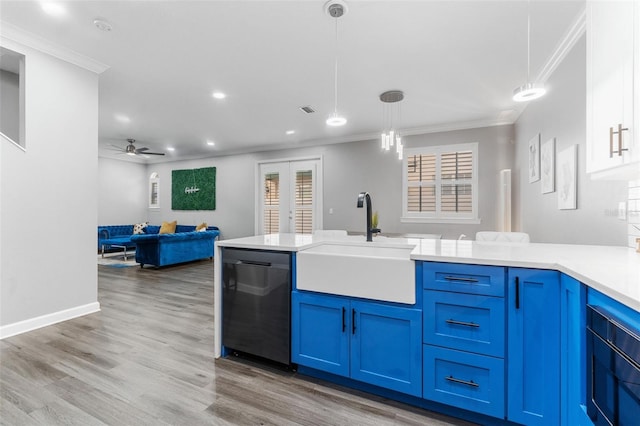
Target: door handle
x=517, y=292
x=353, y=321
x=466, y=280
x=462, y=382
x=466, y=324
x=619, y=133
x=344, y=323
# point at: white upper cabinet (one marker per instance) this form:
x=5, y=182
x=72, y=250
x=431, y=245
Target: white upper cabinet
x=613, y=89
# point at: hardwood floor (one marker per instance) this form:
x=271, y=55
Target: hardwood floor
x=146, y=359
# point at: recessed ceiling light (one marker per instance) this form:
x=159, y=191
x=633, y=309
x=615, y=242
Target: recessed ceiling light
x=102, y=24
x=290, y=132
x=211, y=143
x=219, y=95
x=53, y=8
x=170, y=148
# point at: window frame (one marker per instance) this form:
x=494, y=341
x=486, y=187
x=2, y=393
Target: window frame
x=438, y=216
x=154, y=179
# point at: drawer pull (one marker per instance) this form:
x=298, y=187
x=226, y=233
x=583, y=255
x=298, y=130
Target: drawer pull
x=466, y=280
x=466, y=324
x=463, y=382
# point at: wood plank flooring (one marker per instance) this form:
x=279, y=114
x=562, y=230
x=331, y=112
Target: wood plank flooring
x=147, y=359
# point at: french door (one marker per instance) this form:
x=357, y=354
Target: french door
x=288, y=199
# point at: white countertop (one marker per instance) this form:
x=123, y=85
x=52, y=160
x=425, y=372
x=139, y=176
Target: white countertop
x=614, y=271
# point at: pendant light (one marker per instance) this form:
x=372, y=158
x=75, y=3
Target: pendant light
x=528, y=91
x=336, y=9
x=390, y=118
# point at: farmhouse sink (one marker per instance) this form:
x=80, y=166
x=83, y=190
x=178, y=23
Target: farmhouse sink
x=368, y=270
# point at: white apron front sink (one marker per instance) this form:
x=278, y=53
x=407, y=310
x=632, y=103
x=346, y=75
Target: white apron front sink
x=374, y=271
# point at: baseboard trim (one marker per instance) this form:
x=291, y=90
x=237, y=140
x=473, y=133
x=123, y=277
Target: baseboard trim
x=48, y=319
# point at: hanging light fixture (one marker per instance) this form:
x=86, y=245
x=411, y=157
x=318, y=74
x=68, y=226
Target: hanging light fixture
x=528, y=91
x=390, y=118
x=336, y=9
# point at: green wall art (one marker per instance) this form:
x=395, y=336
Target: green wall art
x=193, y=189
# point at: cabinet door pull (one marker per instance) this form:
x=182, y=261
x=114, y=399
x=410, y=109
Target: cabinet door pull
x=466, y=324
x=353, y=321
x=619, y=133
x=463, y=279
x=463, y=382
x=344, y=323
x=517, y=292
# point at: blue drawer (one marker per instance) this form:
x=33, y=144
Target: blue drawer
x=462, y=278
x=464, y=380
x=468, y=322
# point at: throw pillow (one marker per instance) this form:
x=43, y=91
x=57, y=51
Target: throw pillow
x=168, y=227
x=202, y=227
x=138, y=228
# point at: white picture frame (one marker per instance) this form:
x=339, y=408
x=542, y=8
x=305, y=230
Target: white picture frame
x=548, y=166
x=534, y=158
x=567, y=178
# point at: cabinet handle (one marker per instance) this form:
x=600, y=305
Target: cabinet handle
x=463, y=382
x=344, y=323
x=353, y=321
x=517, y=292
x=619, y=133
x=466, y=280
x=466, y=324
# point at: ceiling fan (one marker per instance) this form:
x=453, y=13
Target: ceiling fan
x=132, y=150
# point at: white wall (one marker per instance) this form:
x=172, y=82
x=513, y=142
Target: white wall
x=349, y=168
x=49, y=198
x=562, y=114
x=122, y=192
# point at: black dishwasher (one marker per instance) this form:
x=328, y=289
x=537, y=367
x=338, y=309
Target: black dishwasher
x=256, y=303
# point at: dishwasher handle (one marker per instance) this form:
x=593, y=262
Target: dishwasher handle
x=254, y=263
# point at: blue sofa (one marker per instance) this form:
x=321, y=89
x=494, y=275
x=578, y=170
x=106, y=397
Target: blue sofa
x=118, y=236
x=185, y=245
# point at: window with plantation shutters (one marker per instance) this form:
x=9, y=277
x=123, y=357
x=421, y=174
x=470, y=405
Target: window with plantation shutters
x=440, y=184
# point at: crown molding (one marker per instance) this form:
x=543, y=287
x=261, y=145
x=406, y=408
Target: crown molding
x=570, y=38
x=18, y=35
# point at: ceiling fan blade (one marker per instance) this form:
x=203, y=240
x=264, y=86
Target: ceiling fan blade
x=142, y=149
x=153, y=153
x=117, y=147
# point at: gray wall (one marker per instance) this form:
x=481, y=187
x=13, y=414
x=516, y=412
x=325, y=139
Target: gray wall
x=49, y=197
x=122, y=189
x=348, y=169
x=10, y=105
x=562, y=114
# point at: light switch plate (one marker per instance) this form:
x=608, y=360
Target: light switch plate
x=622, y=210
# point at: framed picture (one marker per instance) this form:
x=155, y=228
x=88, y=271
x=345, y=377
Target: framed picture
x=548, y=165
x=534, y=158
x=567, y=178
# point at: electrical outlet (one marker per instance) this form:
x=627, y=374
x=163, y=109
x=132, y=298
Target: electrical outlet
x=330, y=210
x=622, y=210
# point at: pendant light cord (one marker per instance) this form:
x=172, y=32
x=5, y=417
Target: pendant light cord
x=335, y=106
x=528, y=41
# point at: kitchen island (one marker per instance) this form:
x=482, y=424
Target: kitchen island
x=529, y=300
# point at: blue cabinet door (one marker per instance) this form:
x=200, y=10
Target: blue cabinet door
x=533, y=374
x=320, y=332
x=572, y=352
x=386, y=346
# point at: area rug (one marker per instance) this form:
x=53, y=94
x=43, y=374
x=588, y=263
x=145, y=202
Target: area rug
x=116, y=260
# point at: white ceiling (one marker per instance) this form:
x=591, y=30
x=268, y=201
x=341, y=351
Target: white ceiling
x=456, y=61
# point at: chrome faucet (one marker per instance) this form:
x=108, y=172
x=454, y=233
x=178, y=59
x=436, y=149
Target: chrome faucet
x=361, y=199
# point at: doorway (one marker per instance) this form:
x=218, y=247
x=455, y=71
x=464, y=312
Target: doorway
x=288, y=199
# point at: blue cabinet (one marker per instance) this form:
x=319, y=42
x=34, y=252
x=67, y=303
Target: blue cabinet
x=371, y=342
x=572, y=352
x=464, y=336
x=319, y=334
x=533, y=355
